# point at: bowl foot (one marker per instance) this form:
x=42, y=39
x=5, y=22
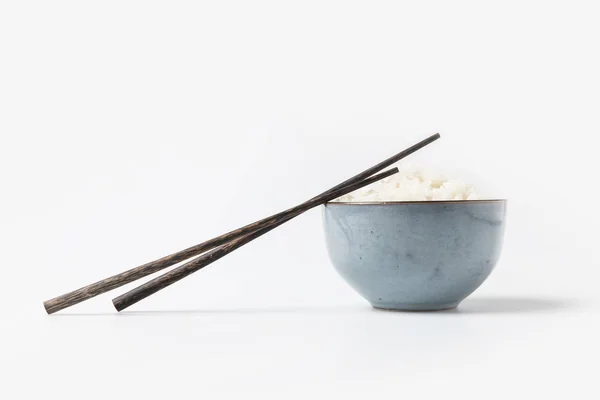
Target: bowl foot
x=415, y=307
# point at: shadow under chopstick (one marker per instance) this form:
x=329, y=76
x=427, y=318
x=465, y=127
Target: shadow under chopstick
x=227, y=311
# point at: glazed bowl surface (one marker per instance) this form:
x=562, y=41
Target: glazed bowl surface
x=416, y=256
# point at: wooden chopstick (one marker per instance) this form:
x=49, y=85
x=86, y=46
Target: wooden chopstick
x=118, y=280
x=168, y=278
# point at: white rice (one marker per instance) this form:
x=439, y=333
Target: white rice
x=413, y=183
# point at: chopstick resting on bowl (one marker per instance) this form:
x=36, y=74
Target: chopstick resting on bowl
x=188, y=268
x=115, y=281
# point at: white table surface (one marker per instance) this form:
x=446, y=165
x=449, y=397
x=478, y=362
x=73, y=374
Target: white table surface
x=233, y=333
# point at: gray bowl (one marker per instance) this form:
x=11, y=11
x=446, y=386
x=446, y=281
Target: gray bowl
x=416, y=256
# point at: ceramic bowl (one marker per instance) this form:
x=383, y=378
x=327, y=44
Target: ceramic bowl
x=416, y=256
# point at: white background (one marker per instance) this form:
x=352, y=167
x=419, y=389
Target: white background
x=130, y=130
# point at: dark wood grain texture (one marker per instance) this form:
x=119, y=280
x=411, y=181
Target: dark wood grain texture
x=118, y=280
x=167, y=279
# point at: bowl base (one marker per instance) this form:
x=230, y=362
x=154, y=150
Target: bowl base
x=415, y=307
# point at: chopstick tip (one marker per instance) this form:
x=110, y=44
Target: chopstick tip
x=49, y=310
x=116, y=305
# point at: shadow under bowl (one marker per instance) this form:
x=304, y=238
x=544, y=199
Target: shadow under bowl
x=415, y=256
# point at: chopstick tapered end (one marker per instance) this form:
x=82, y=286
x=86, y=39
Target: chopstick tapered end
x=48, y=311
x=116, y=305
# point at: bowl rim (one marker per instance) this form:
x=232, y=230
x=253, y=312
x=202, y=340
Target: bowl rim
x=408, y=202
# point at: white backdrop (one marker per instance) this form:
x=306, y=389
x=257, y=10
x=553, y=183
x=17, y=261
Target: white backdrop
x=130, y=130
